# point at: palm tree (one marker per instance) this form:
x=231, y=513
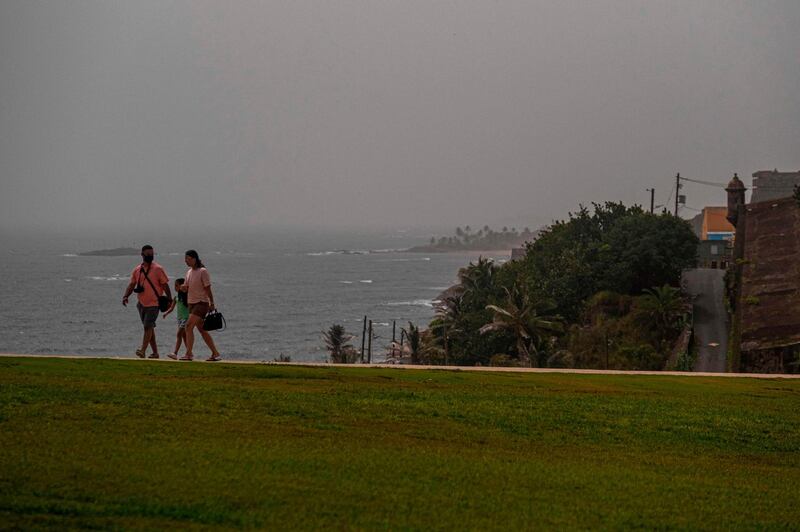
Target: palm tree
x=528, y=320
x=478, y=278
x=413, y=345
x=445, y=325
x=663, y=307
x=337, y=342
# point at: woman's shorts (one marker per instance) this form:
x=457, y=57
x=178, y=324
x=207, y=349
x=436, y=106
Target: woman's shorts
x=199, y=309
x=182, y=323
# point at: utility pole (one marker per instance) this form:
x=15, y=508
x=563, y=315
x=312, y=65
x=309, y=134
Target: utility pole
x=652, y=199
x=363, y=338
x=446, y=349
x=394, y=337
x=677, y=191
x=369, y=344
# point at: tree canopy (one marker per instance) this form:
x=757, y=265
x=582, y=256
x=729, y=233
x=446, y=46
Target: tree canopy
x=617, y=248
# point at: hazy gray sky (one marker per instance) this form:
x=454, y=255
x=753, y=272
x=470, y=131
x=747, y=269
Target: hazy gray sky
x=337, y=113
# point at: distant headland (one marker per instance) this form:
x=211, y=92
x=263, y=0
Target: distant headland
x=115, y=252
x=485, y=238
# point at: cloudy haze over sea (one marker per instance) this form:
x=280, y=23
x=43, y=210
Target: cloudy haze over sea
x=362, y=113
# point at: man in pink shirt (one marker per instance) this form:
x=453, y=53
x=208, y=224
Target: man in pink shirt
x=148, y=281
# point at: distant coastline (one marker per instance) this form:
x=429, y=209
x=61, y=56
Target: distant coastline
x=485, y=240
x=115, y=252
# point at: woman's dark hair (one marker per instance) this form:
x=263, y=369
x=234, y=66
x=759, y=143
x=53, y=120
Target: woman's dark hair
x=183, y=297
x=192, y=253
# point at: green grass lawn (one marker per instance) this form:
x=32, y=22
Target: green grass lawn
x=135, y=444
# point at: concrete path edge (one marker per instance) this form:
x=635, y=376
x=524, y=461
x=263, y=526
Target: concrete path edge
x=432, y=368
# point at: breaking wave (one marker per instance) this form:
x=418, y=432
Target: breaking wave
x=353, y=252
x=422, y=259
x=415, y=303
x=115, y=277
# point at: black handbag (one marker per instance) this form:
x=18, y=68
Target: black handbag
x=214, y=321
x=163, y=301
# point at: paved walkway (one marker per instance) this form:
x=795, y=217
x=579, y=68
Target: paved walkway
x=438, y=368
x=707, y=287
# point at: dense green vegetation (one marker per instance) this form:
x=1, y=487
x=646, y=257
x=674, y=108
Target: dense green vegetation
x=155, y=445
x=597, y=290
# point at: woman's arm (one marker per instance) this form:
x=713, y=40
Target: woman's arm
x=210, y=297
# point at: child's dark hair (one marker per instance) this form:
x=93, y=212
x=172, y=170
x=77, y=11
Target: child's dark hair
x=183, y=297
x=192, y=253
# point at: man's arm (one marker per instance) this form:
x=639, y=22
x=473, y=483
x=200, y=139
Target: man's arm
x=167, y=291
x=170, y=309
x=165, y=284
x=128, y=292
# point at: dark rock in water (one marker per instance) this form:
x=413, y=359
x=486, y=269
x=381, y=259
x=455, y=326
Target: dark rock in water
x=116, y=252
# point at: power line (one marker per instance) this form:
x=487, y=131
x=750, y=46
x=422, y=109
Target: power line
x=700, y=181
x=671, y=191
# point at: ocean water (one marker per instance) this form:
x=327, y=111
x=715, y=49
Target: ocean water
x=277, y=293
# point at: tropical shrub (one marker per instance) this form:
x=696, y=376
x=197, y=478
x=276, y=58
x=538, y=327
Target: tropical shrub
x=337, y=342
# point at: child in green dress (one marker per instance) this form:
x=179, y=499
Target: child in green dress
x=180, y=303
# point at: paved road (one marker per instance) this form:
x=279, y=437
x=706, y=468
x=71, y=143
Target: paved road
x=710, y=318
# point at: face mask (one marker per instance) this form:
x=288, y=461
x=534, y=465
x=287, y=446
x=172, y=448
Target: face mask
x=148, y=259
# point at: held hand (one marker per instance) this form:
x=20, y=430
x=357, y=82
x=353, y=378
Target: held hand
x=211, y=306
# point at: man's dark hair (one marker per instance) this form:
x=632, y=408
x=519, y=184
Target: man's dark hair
x=146, y=247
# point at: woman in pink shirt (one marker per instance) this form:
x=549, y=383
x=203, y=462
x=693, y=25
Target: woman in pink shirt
x=201, y=300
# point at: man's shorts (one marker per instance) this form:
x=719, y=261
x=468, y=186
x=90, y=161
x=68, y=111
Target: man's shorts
x=182, y=323
x=148, y=315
